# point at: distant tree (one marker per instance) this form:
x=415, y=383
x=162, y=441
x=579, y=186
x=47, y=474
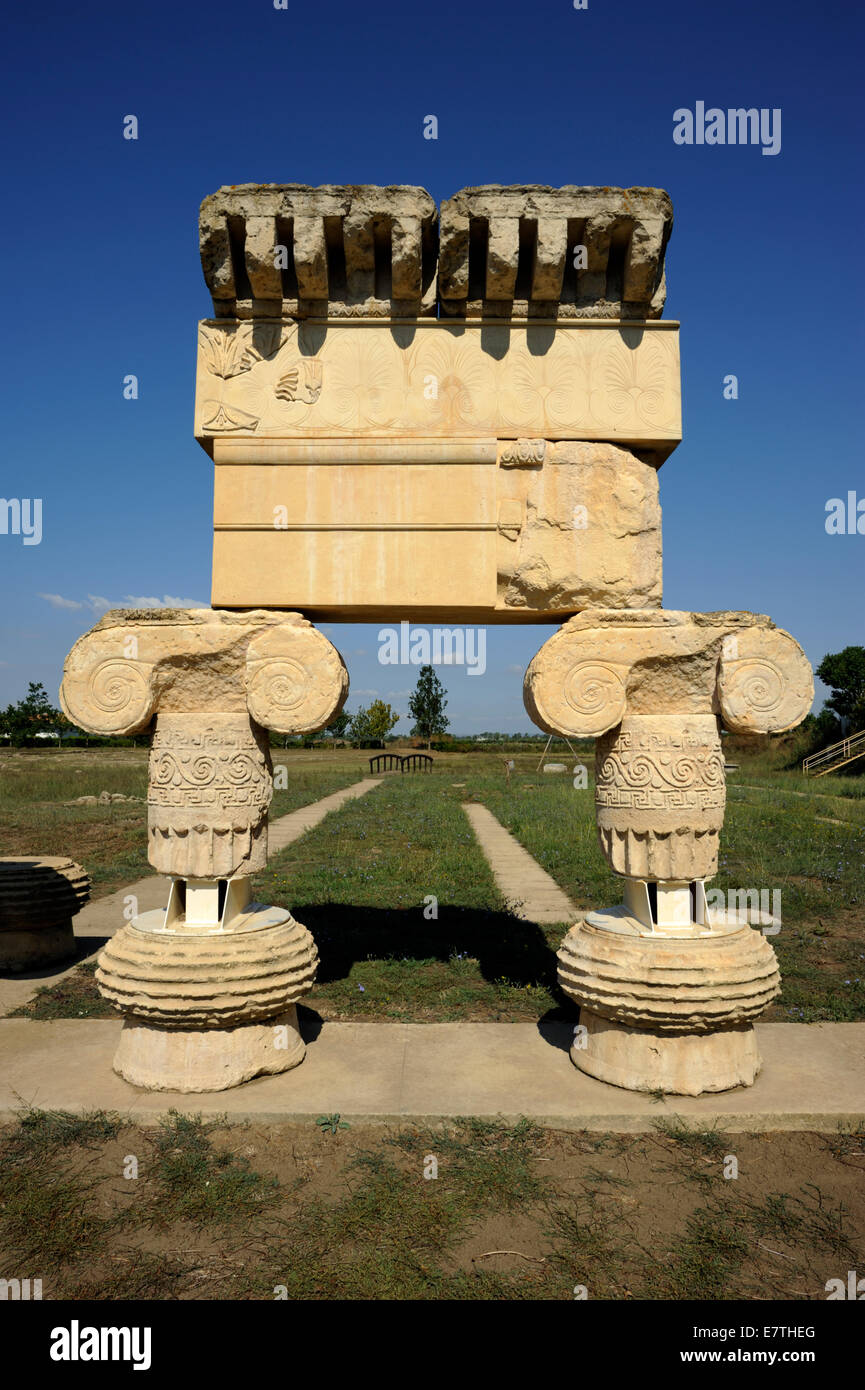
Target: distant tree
x=427, y=705
x=374, y=724
x=844, y=673
x=33, y=715
x=338, y=727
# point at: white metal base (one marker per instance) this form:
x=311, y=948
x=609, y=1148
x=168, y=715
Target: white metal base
x=678, y=910
x=210, y=907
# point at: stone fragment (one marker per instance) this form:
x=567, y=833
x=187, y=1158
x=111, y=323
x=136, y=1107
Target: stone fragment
x=517, y=251
x=207, y=986
x=660, y=796
x=590, y=530
x=348, y=250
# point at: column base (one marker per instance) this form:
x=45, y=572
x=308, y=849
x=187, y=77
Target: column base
x=191, y=1060
x=667, y=1013
x=28, y=950
x=679, y=1064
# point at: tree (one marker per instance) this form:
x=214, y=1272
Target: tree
x=372, y=725
x=338, y=727
x=844, y=673
x=427, y=705
x=33, y=715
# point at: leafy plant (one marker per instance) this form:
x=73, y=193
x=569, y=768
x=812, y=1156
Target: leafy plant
x=329, y=1124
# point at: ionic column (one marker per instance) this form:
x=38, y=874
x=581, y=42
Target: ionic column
x=208, y=985
x=668, y=989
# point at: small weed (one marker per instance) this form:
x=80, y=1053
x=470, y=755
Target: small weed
x=329, y=1124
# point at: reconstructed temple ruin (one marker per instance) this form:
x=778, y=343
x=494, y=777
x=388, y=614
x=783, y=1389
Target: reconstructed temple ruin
x=461, y=417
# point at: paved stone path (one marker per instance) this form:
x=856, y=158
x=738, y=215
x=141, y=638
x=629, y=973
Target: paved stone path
x=289, y=828
x=526, y=887
x=811, y=1078
x=100, y=919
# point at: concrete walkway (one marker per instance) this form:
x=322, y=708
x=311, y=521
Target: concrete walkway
x=527, y=889
x=813, y=1078
x=289, y=828
x=100, y=919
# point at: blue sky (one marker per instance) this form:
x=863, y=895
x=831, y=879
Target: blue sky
x=102, y=276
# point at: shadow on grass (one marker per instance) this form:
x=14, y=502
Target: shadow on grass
x=504, y=946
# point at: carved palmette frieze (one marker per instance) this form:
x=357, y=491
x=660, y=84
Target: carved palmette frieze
x=229, y=352
x=431, y=378
x=302, y=382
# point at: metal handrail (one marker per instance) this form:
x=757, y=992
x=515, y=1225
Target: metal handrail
x=837, y=753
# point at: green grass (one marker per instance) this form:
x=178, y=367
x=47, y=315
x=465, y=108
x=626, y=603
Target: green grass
x=75, y=996
x=509, y=1212
x=361, y=882
x=201, y=1183
x=48, y=1214
x=110, y=841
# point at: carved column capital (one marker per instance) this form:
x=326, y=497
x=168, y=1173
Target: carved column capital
x=607, y=662
x=214, y=682
x=653, y=687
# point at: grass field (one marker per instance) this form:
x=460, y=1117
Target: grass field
x=475, y=1210
x=411, y=926
x=362, y=881
x=38, y=813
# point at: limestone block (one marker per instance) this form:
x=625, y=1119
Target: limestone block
x=354, y=250
x=679, y=1064
x=198, y=1060
x=199, y=660
x=651, y=687
x=545, y=530
x=511, y=251
x=202, y=1013
x=345, y=484
x=295, y=679
x=436, y=379
x=603, y=662
x=39, y=896
x=765, y=684
x=590, y=532
x=667, y=984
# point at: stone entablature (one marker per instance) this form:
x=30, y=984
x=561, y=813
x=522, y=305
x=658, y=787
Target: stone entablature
x=290, y=250
x=554, y=252
x=463, y=425
x=347, y=249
